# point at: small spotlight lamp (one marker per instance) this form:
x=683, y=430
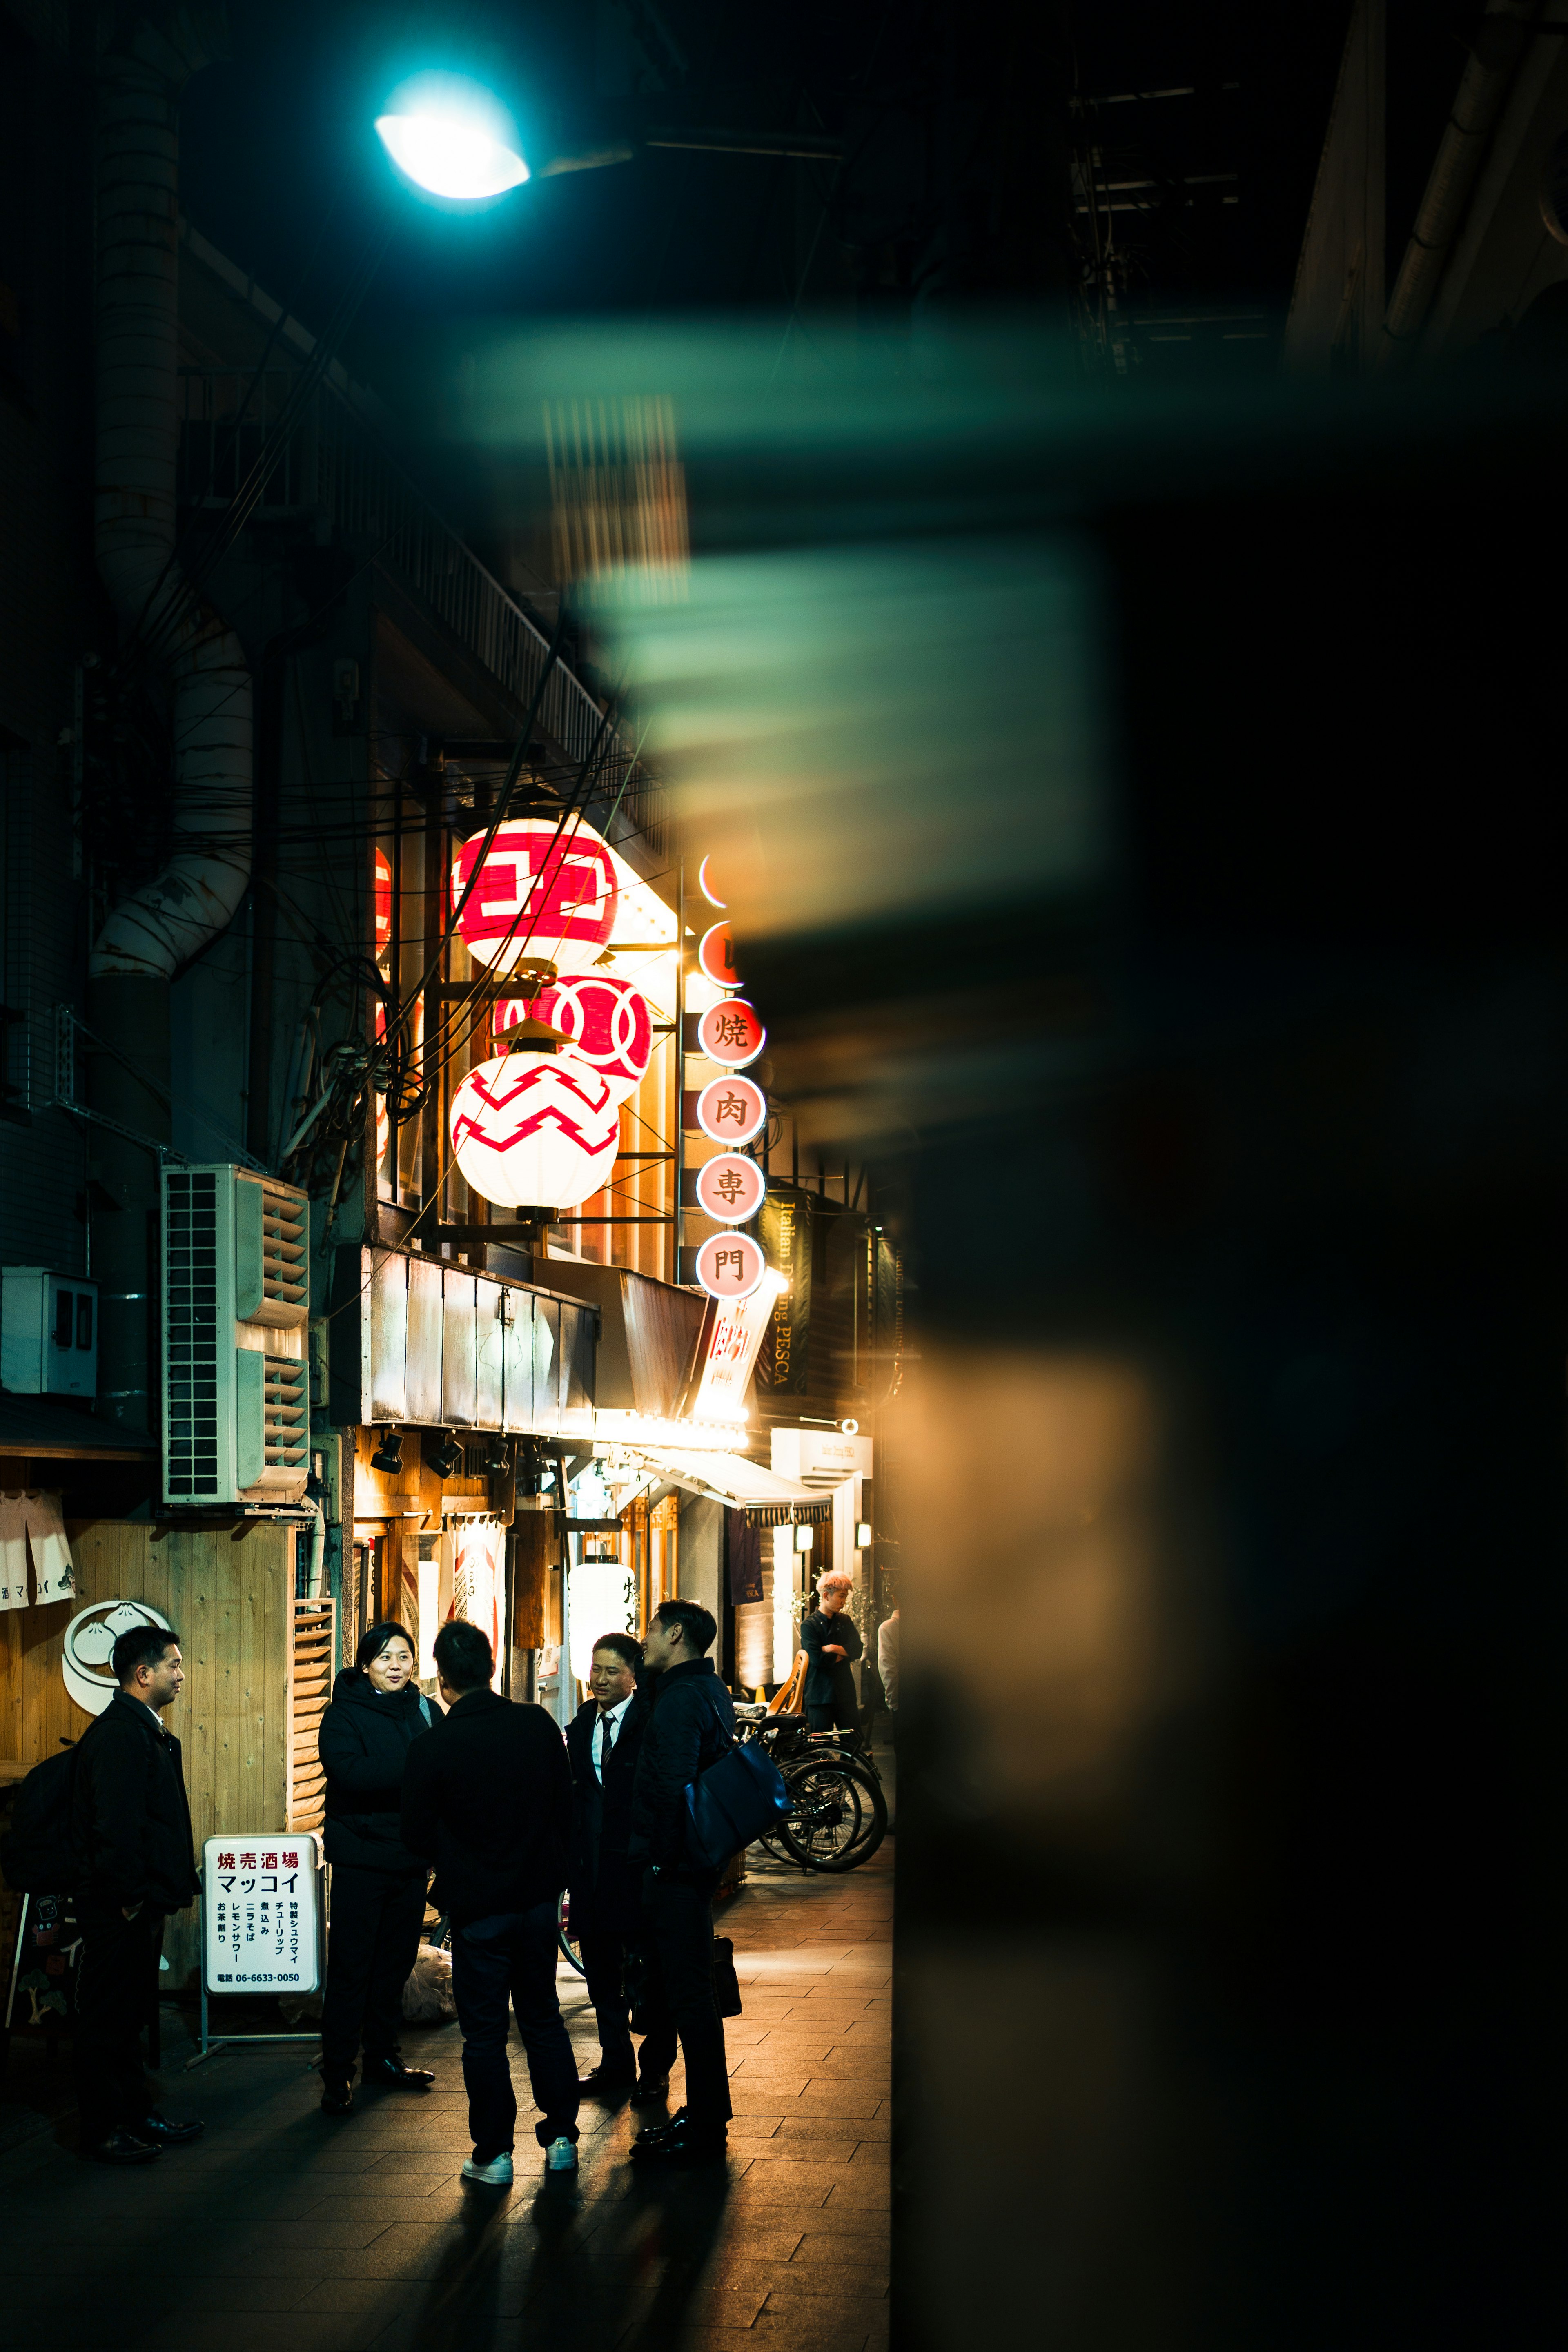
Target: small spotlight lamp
x=447, y=1457
x=388, y=1456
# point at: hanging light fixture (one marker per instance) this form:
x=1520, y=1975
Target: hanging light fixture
x=388, y=1456
x=446, y=1458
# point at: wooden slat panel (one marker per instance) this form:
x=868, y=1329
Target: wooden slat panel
x=309, y=1689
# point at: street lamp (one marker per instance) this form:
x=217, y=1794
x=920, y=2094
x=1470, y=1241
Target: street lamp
x=452, y=138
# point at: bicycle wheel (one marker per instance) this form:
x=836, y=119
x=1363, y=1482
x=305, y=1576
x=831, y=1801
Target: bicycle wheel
x=564, y=1936
x=824, y=1825
x=874, y=1811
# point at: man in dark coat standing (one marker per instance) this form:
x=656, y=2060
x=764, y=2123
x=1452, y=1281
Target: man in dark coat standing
x=693, y=1724
x=603, y=1743
x=132, y=1825
x=487, y=1797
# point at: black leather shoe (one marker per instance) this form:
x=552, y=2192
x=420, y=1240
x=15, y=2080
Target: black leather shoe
x=338, y=2097
x=601, y=2082
x=395, y=2074
x=122, y=2148
x=651, y=2132
x=159, y=2132
x=651, y=2089
x=689, y=2144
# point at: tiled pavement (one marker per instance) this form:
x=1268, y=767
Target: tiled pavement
x=285, y=2231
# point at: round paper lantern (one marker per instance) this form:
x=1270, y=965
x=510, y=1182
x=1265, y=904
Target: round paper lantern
x=535, y=1130
x=544, y=891
x=716, y=956
x=730, y=1265
x=731, y=1032
x=731, y=1187
x=711, y=883
x=383, y=903
x=732, y=1110
x=607, y=1024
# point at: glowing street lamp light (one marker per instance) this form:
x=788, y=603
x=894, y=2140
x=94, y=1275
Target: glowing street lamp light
x=451, y=138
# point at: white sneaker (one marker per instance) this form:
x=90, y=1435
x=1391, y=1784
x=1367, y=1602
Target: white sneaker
x=496, y=2174
x=561, y=2156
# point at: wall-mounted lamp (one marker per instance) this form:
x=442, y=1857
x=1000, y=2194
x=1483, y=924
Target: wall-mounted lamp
x=447, y=1457
x=803, y=1539
x=388, y=1454
x=862, y=1535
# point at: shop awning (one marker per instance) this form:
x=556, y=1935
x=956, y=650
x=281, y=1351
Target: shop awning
x=728, y=1478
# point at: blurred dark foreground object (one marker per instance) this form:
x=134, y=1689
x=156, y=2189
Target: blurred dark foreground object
x=1229, y=1480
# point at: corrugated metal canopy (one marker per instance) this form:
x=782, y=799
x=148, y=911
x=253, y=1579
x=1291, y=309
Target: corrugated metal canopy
x=727, y=1477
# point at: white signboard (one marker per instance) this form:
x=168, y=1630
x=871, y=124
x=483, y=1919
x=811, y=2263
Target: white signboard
x=725, y=1389
x=819, y=1457
x=261, y=1928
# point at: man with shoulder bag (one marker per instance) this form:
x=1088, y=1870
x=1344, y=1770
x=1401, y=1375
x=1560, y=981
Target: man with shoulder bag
x=132, y=1827
x=691, y=1727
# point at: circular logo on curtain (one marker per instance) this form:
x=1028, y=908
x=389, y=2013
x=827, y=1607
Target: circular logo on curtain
x=88, y=1646
x=544, y=890
x=730, y=1265
x=606, y=1022
x=535, y=1130
x=731, y=1187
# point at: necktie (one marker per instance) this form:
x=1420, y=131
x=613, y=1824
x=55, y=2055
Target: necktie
x=606, y=1741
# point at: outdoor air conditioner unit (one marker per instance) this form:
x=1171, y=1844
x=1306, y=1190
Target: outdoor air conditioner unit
x=236, y=1299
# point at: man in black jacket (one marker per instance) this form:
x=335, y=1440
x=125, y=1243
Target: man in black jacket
x=487, y=1797
x=693, y=1724
x=603, y=1743
x=132, y=1825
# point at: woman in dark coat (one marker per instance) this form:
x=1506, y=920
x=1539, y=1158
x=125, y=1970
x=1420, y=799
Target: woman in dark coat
x=831, y=1644
x=378, y=1886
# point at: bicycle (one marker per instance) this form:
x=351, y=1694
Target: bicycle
x=838, y=1815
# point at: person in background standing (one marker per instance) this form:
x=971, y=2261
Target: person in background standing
x=376, y=1715
x=605, y=1886
x=828, y=1637
x=130, y=1823
x=693, y=1724
x=888, y=1660
x=488, y=1798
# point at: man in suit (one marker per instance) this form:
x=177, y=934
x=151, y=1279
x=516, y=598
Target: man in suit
x=605, y=1885
x=693, y=1724
x=487, y=1797
x=132, y=1825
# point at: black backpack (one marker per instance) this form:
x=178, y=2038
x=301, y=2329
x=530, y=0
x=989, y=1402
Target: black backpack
x=37, y=1852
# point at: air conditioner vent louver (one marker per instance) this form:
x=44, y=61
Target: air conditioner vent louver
x=191, y=1403
x=237, y=1409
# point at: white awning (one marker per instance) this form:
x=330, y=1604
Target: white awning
x=726, y=1477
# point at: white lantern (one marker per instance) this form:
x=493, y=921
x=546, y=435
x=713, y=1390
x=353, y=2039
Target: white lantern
x=547, y=890
x=606, y=1022
x=535, y=1130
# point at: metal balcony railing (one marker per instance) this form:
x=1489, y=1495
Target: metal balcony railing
x=333, y=468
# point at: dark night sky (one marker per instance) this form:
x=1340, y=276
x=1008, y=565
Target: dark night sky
x=282, y=169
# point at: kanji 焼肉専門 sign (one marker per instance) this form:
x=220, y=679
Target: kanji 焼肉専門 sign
x=261, y=1929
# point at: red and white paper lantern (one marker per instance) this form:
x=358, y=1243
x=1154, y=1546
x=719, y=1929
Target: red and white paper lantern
x=730, y=1265
x=535, y=1130
x=383, y=903
x=732, y=1109
x=543, y=891
x=731, y=1032
x=731, y=1187
x=607, y=1024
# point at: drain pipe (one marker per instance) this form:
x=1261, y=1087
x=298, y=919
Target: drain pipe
x=154, y=931
x=1499, y=43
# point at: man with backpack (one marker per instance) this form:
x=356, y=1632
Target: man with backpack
x=130, y=1826
x=691, y=1727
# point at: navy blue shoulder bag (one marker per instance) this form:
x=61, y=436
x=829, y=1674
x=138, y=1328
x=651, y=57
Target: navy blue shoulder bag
x=732, y=1803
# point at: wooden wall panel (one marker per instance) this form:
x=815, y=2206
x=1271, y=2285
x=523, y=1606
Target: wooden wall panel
x=230, y=1599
